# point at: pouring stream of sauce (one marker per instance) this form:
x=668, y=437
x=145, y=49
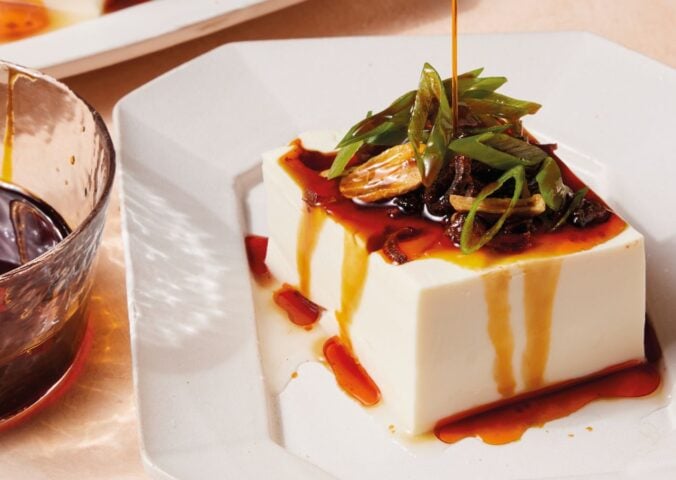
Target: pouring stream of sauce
x=454, y=64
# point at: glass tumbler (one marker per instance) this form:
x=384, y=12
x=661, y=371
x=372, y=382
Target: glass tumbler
x=55, y=149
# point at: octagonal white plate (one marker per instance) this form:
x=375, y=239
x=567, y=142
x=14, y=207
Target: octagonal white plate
x=131, y=32
x=190, y=143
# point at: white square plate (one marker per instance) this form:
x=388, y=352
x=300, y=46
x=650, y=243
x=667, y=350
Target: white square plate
x=130, y=33
x=190, y=146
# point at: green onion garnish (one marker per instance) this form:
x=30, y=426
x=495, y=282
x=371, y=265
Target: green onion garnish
x=501, y=106
x=342, y=159
x=499, y=150
x=424, y=118
x=431, y=93
x=551, y=184
x=396, y=115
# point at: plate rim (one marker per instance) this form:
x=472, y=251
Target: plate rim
x=175, y=27
x=237, y=45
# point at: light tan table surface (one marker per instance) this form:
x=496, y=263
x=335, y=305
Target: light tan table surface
x=92, y=431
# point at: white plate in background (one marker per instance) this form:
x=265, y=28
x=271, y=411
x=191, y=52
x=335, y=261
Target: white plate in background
x=130, y=33
x=191, y=191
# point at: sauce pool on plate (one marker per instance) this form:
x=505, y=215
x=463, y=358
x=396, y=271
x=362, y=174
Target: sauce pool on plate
x=507, y=423
x=349, y=373
x=299, y=309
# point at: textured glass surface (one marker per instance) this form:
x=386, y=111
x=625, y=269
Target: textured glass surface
x=58, y=149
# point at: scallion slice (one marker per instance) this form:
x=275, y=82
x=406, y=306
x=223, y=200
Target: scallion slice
x=342, y=159
x=518, y=174
x=499, y=150
x=551, y=184
x=431, y=93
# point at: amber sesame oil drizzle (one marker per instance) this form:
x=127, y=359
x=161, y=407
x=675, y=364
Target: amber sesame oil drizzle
x=310, y=226
x=496, y=293
x=540, y=281
x=354, y=271
x=337, y=350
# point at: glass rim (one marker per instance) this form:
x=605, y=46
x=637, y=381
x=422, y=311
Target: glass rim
x=107, y=146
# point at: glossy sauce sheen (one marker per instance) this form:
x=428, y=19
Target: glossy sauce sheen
x=349, y=373
x=373, y=225
x=300, y=310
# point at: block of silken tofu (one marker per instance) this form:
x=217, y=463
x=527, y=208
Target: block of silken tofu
x=441, y=339
x=85, y=8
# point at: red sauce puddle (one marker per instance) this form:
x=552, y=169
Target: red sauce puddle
x=350, y=374
x=507, y=420
x=300, y=310
x=508, y=423
x=256, y=250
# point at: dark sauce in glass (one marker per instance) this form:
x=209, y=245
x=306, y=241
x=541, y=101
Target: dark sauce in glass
x=28, y=229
